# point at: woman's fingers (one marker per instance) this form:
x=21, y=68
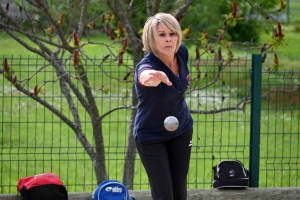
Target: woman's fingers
x=163, y=77
x=153, y=78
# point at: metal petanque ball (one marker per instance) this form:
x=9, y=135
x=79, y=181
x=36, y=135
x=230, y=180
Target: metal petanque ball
x=171, y=123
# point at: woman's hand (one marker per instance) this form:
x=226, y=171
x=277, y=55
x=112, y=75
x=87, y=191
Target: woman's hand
x=152, y=78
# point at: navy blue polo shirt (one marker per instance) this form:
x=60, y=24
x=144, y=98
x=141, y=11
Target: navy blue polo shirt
x=157, y=103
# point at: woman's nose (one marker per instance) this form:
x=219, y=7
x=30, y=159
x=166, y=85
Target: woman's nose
x=168, y=38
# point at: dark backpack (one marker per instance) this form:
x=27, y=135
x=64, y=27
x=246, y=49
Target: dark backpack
x=46, y=186
x=111, y=190
x=230, y=174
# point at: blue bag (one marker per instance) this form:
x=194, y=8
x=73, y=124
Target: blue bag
x=111, y=190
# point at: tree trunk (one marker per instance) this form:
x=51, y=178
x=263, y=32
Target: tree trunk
x=128, y=170
x=99, y=158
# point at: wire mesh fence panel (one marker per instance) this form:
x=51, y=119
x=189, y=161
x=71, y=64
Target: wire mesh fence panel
x=221, y=116
x=279, y=162
x=48, y=125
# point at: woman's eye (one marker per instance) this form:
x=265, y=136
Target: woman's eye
x=164, y=34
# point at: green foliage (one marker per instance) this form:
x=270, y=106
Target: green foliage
x=209, y=16
x=201, y=15
x=245, y=31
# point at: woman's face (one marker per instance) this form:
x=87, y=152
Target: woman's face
x=165, y=41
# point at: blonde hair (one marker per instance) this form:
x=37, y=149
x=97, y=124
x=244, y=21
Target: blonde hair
x=150, y=29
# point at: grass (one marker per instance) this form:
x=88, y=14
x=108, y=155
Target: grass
x=294, y=12
x=33, y=140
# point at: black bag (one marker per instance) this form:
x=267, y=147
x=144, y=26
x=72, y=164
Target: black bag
x=230, y=174
x=47, y=186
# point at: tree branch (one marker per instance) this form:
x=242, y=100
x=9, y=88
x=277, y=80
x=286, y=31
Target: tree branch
x=136, y=43
x=156, y=6
x=19, y=40
x=115, y=109
x=56, y=25
x=149, y=8
x=82, y=18
x=183, y=8
x=267, y=95
x=28, y=34
x=243, y=101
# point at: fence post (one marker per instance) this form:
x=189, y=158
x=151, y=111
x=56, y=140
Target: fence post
x=256, y=77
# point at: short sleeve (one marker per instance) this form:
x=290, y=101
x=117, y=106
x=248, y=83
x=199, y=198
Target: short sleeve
x=142, y=67
x=139, y=70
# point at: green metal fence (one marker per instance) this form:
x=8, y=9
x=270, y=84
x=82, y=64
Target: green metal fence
x=244, y=113
x=279, y=135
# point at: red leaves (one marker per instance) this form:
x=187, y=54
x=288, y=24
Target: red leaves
x=204, y=34
x=118, y=33
x=197, y=53
x=121, y=54
x=35, y=91
x=75, y=58
x=121, y=30
x=75, y=37
x=189, y=29
x=111, y=34
x=14, y=82
x=220, y=54
x=91, y=25
x=61, y=19
x=280, y=34
x=8, y=71
x=232, y=18
x=5, y=65
x=276, y=62
x=204, y=37
x=107, y=18
x=234, y=9
x=120, y=27
x=125, y=44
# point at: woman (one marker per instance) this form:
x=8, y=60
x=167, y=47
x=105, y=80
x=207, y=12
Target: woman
x=161, y=80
